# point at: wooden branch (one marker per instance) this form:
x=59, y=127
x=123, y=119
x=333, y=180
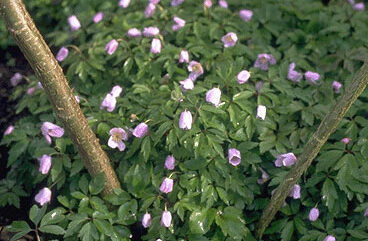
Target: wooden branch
x=22, y=28
x=325, y=129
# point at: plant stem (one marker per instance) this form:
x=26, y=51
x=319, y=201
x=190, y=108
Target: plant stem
x=20, y=24
x=311, y=149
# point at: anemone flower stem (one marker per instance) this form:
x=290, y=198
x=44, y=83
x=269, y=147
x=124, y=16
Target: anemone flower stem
x=311, y=149
x=21, y=26
x=37, y=235
x=77, y=50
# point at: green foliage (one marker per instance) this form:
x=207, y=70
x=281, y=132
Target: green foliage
x=211, y=199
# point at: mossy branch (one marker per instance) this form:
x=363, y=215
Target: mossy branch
x=21, y=26
x=325, y=129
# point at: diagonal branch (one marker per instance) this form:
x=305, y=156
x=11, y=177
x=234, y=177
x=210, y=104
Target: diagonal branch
x=325, y=129
x=21, y=26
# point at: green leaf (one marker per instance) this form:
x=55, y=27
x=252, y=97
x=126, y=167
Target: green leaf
x=329, y=192
x=287, y=231
x=200, y=221
x=52, y=217
x=35, y=214
x=328, y=159
x=195, y=164
x=127, y=212
x=146, y=148
x=103, y=226
x=360, y=234
x=88, y=232
x=242, y=95
x=53, y=229
x=19, y=226
x=97, y=184
x=17, y=150
x=212, y=109
x=232, y=224
x=83, y=184
x=223, y=195
x=17, y=236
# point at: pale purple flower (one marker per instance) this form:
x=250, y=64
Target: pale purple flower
x=187, y=84
x=330, y=238
x=155, y=46
x=98, y=17
x=184, y=56
x=109, y=102
x=336, y=86
x=117, y=135
x=264, y=178
x=176, y=2
x=45, y=164
x=263, y=60
x=116, y=91
x=261, y=112
x=312, y=76
x=154, y=1
x=146, y=220
x=179, y=23
x=246, y=14
x=167, y=185
x=124, y=3
x=31, y=90
x=243, y=76
x=185, y=120
x=366, y=212
x=294, y=75
x=62, y=54
x=9, y=130
x=15, y=79
x=207, y=3
x=234, y=156
x=213, y=96
x=223, y=3
x=134, y=33
x=352, y=2
x=39, y=85
x=345, y=140
x=140, y=130
x=151, y=31
x=195, y=70
x=150, y=10
x=49, y=129
x=286, y=159
x=170, y=162
x=313, y=214
x=111, y=46
x=359, y=6
x=77, y=99
x=74, y=23
x=229, y=39
x=43, y=196
x=166, y=219
x=295, y=192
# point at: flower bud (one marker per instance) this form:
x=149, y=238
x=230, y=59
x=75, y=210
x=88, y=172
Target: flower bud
x=166, y=219
x=246, y=15
x=150, y=10
x=213, y=96
x=45, y=164
x=187, y=84
x=184, y=56
x=170, y=162
x=49, y=129
x=167, y=185
x=134, y=33
x=155, y=46
x=62, y=54
x=295, y=192
x=330, y=238
x=98, y=17
x=207, y=3
x=109, y=102
x=336, y=86
x=223, y=3
x=175, y=3
x=151, y=31
x=140, y=130
x=43, y=196
x=31, y=90
x=15, y=79
x=243, y=76
x=146, y=220
x=359, y=6
x=179, y=23
x=293, y=75
x=185, y=120
x=111, y=46
x=312, y=77
x=234, y=156
x=345, y=140
x=286, y=159
x=124, y=3
x=313, y=214
x=261, y=112
x=74, y=23
x=9, y=130
x=116, y=91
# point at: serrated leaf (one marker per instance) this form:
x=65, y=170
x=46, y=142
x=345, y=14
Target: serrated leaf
x=97, y=184
x=53, y=229
x=35, y=214
x=200, y=221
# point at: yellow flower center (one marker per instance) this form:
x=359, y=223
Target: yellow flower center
x=263, y=60
x=229, y=39
x=117, y=136
x=196, y=68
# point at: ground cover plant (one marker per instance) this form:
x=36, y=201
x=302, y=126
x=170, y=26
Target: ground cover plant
x=202, y=108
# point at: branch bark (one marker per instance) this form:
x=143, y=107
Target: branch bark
x=325, y=129
x=21, y=26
